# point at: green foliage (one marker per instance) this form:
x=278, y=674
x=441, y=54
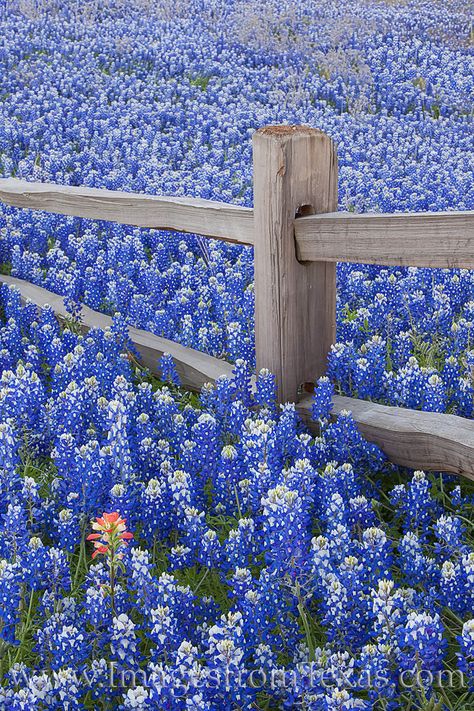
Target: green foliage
x=6, y=268
x=201, y=82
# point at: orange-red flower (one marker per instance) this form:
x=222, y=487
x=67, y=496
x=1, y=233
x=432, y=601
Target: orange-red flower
x=111, y=534
x=109, y=537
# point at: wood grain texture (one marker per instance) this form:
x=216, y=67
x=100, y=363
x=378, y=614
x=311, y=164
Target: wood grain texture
x=194, y=368
x=420, y=440
x=295, y=169
x=424, y=239
x=230, y=223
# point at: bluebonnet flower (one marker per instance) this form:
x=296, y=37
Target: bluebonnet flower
x=265, y=393
x=376, y=673
x=68, y=529
x=180, y=557
x=97, y=608
x=226, y=657
x=56, y=571
x=164, y=630
x=376, y=551
x=422, y=642
x=414, y=563
x=284, y=525
x=415, y=503
x=361, y=514
x=10, y=595
x=139, y=571
x=168, y=369
x=13, y=531
x=241, y=545
x=67, y=688
x=123, y=640
x=153, y=510
x=62, y=644
x=466, y=655
x=322, y=404
x=387, y=609
x=136, y=698
x=210, y=551
x=10, y=482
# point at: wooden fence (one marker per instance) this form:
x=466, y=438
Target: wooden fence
x=297, y=237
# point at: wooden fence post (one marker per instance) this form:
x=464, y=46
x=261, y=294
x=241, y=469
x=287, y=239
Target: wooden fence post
x=295, y=173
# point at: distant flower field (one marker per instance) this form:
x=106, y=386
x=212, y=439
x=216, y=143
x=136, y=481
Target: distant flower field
x=164, y=550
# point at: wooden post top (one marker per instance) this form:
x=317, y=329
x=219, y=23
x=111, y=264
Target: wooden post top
x=287, y=130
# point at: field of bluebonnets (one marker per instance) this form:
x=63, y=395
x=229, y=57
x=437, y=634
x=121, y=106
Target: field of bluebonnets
x=240, y=563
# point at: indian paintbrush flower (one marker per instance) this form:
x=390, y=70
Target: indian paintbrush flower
x=110, y=538
x=112, y=535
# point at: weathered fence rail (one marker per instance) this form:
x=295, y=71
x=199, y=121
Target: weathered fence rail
x=421, y=440
x=194, y=368
x=297, y=237
x=423, y=239
x=230, y=223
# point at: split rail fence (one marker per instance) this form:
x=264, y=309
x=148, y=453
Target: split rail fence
x=297, y=237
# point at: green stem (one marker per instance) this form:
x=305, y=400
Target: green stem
x=238, y=502
x=112, y=583
x=304, y=619
x=453, y=616
x=81, y=559
x=201, y=581
x=25, y=628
